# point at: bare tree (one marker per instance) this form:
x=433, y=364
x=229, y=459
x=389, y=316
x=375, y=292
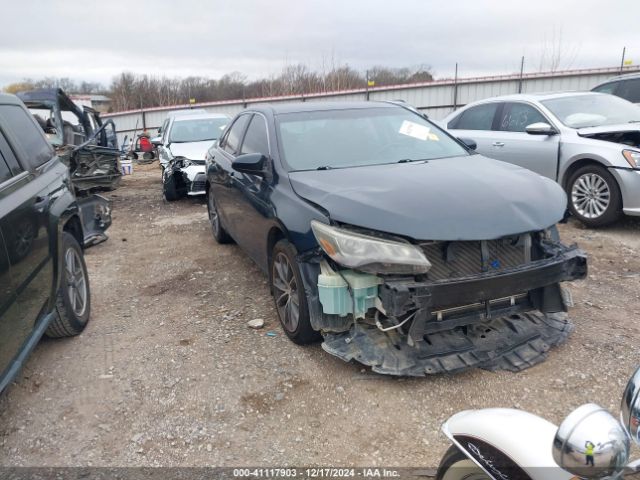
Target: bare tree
x=130, y=91
x=555, y=54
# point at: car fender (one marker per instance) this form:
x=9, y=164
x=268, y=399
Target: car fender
x=521, y=440
x=62, y=209
x=608, y=154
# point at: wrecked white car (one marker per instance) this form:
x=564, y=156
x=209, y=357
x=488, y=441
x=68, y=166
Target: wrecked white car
x=391, y=239
x=587, y=142
x=182, y=148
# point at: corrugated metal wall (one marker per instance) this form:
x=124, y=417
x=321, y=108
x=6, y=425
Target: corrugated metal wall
x=434, y=98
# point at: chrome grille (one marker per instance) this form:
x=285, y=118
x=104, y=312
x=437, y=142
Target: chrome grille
x=459, y=259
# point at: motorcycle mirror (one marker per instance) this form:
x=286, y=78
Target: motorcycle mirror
x=591, y=443
x=630, y=407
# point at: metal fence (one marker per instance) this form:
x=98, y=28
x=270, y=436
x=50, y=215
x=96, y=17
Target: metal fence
x=436, y=98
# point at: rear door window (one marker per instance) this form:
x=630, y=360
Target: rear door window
x=9, y=156
x=517, y=116
x=5, y=174
x=606, y=88
x=25, y=130
x=479, y=117
x=630, y=90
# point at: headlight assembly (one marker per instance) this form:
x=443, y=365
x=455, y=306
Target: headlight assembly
x=633, y=157
x=369, y=254
x=181, y=162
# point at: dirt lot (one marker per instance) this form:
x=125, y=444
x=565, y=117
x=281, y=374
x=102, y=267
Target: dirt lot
x=168, y=373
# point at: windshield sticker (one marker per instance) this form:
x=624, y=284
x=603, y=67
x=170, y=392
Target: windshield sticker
x=418, y=131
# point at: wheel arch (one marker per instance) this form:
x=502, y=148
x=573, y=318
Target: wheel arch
x=494, y=427
x=575, y=166
x=73, y=225
x=276, y=233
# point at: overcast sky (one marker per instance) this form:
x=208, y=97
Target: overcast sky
x=95, y=40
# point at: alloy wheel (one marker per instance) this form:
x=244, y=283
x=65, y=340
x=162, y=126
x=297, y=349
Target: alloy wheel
x=286, y=292
x=76, y=281
x=590, y=195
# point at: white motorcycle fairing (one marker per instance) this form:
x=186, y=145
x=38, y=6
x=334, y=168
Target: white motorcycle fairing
x=520, y=439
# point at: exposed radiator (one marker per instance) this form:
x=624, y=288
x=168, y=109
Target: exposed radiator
x=459, y=259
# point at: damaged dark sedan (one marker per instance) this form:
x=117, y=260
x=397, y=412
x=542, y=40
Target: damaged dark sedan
x=392, y=240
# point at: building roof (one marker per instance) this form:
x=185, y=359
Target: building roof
x=92, y=97
x=198, y=116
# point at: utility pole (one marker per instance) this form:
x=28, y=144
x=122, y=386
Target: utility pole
x=455, y=88
x=367, y=87
x=624, y=51
x=521, y=74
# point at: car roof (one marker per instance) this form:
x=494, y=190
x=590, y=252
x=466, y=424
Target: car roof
x=198, y=116
x=534, y=97
x=627, y=76
x=7, y=98
x=298, y=107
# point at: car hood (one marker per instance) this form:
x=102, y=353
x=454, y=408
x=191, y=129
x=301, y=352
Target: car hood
x=191, y=150
x=462, y=198
x=623, y=127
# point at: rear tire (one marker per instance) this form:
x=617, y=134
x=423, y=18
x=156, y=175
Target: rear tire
x=455, y=465
x=219, y=233
x=73, y=301
x=289, y=295
x=594, y=196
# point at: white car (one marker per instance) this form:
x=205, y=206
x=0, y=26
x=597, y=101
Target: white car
x=587, y=142
x=182, y=146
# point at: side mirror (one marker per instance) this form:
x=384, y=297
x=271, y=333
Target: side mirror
x=251, y=163
x=469, y=142
x=630, y=408
x=591, y=443
x=540, y=128
x=157, y=141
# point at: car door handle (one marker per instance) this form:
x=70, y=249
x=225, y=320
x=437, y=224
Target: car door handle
x=498, y=144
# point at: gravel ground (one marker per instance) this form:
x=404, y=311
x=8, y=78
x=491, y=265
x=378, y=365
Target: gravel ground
x=167, y=372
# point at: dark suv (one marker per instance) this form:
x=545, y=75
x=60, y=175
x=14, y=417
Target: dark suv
x=44, y=287
x=623, y=86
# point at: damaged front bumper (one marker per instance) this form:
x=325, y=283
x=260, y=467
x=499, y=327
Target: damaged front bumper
x=95, y=215
x=507, y=319
x=189, y=176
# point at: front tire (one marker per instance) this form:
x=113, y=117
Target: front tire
x=455, y=465
x=169, y=189
x=219, y=233
x=594, y=196
x=73, y=301
x=289, y=295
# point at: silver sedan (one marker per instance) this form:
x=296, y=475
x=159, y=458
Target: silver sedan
x=588, y=142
